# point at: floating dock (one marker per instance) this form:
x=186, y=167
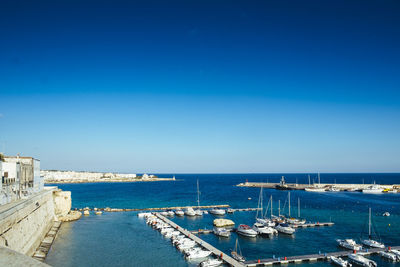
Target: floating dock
x=312, y=257
x=229, y=260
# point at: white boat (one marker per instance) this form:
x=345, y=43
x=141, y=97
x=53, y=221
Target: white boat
x=362, y=261
x=245, y=230
x=295, y=221
x=396, y=252
x=386, y=214
x=372, y=243
x=373, y=189
x=190, y=212
x=230, y=210
x=349, y=244
x=369, y=242
x=339, y=261
x=333, y=189
x=315, y=189
x=179, y=213
x=164, y=213
x=388, y=255
x=198, y=254
x=285, y=229
x=237, y=253
x=171, y=213
x=216, y=211
x=199, y=212
x=221, y=231
x=262, y=229
x=211, y=263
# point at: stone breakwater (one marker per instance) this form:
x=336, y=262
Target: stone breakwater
x=108, y=209
x=340, y=187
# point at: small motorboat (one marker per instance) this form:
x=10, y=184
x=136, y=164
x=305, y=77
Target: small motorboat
x=245, y=230
x=221, y=231
x=230, y=210
x=237, y=253
x=349, y=244
x=170, y=213
x=339, y=261
x=372, y=243
x=211, y=263
x=198, y=212
x=198, y=254
x=315, y=189
x=284, y=228
x=373, y=189
x=216, y=211
x=362, y=261
x=386, y=214
x=190, y=212
x=396, y=252
x=164, y=213
x=295, y=221
x=334, y=189
x=264, y=230
x=388, y=255
x=179, y=213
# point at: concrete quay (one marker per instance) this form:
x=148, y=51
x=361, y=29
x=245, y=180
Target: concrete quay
x=341, y=187
x=229, y=260
x=312, y=257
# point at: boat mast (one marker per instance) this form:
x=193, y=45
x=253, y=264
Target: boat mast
x=271, y=206
x=198, y=194
x=319, y=180
x=369, y=224
x=279, y=208
x=309, y=180
x=298, y=207
x=259, y=203
x=289, y=202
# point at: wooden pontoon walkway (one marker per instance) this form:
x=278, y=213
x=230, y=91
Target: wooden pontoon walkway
x=312, y=257
x=317, y=224
x=216, y=252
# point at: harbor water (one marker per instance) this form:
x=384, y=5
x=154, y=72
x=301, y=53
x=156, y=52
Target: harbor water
x=123, y=239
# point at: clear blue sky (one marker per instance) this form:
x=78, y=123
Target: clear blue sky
x=202, y=86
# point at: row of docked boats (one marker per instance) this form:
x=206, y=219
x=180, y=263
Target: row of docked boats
x=189, y=211
x=360, y=260
x=187, y=246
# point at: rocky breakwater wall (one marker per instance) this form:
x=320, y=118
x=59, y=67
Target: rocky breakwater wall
x=25, y=223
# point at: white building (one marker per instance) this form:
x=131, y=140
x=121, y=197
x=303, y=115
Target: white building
x=20, y=177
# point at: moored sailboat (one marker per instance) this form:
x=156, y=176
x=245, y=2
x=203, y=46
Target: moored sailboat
x=370, y=242
x=237, y=253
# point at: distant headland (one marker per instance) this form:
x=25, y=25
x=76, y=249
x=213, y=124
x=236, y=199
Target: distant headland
x=72, y=177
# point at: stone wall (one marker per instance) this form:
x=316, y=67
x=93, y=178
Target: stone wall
x=24, y=223
x=62, y=203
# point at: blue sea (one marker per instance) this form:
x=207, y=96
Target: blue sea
x=123, y=239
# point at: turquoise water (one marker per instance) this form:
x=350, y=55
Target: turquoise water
x=122, y=239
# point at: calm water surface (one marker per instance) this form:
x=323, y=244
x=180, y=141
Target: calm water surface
x=122, y=239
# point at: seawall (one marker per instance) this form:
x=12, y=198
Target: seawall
x=25, y=223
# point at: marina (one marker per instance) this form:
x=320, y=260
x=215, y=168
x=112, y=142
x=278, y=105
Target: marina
x=327, y=218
